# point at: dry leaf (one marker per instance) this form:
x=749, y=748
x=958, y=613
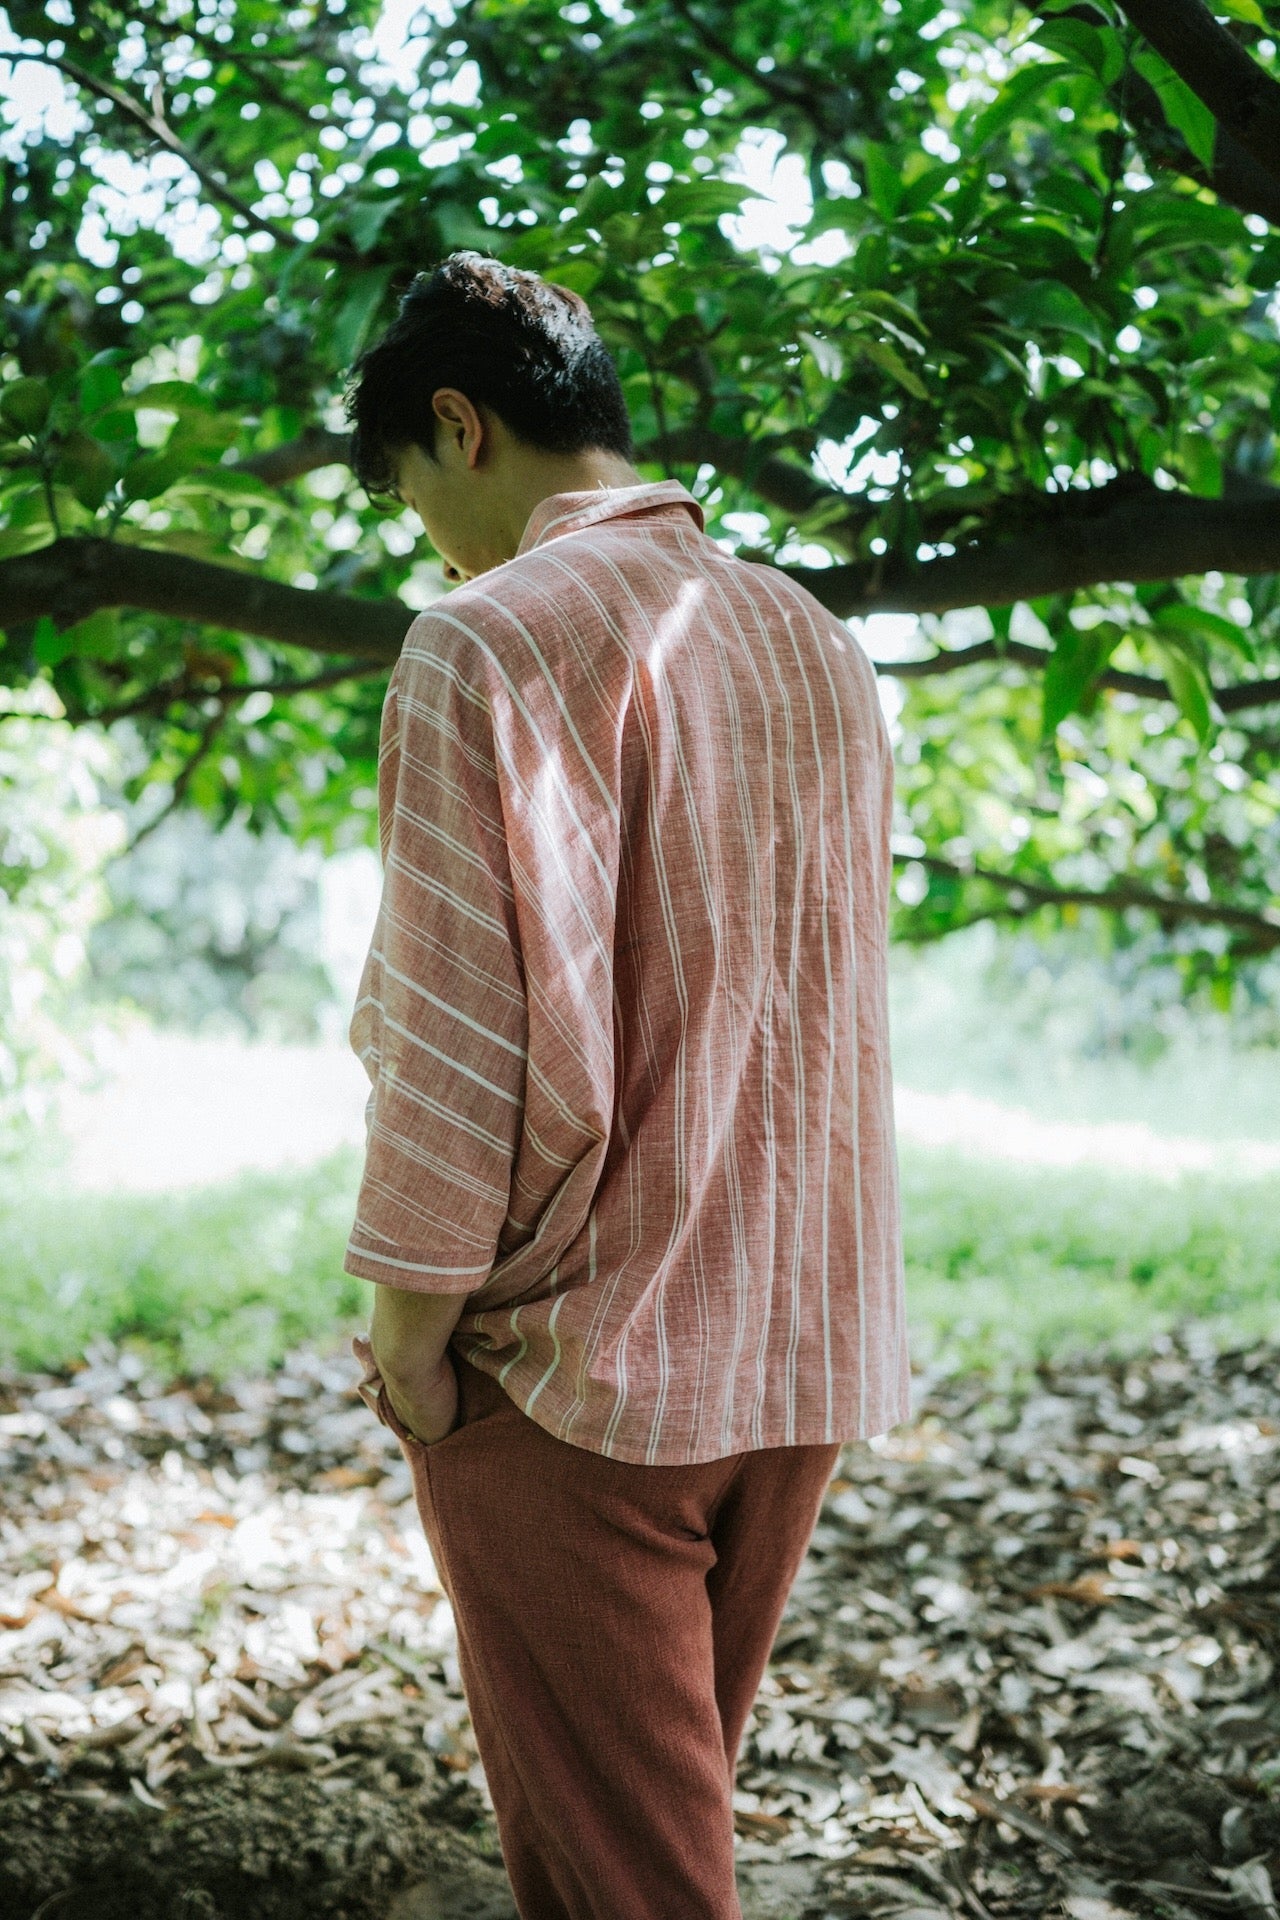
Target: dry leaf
x=1082, y=1907
x=225, y=1585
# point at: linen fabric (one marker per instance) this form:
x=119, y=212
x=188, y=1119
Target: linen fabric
x=624, y=1013
x=614, y=1622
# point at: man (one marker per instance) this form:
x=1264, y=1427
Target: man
x=630, y=1191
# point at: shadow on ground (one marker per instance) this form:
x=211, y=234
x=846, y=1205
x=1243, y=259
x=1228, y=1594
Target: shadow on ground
x=1028, y=1667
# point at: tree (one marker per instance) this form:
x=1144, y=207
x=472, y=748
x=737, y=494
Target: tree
x=1011, y=369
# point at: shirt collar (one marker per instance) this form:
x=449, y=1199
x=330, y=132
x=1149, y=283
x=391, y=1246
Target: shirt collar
x=562, y=513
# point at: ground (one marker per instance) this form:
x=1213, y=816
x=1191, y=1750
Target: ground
x=1027, y=1669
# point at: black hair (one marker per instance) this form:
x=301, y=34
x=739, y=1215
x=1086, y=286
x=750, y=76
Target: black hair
x=510, y=341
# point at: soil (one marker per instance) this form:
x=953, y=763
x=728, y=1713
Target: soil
x=1027, y=1669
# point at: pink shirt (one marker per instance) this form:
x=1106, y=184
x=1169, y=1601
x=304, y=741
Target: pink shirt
x=624, y=1011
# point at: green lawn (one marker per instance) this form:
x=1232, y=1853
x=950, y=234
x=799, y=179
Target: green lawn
x=214, y=1280
x=1005, y=1264
x=1010, y=1264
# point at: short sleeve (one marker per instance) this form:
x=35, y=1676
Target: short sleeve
x=440, y=1021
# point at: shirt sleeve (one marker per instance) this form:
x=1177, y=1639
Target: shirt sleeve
x=440, y=1020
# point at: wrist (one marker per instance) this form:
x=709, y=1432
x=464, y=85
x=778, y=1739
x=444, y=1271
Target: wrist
x=410, y=1333
x=412, y=1372
x=424, y=1408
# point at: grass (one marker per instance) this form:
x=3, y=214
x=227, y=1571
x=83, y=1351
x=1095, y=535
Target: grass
x=1005, y=1264
x=217, y=1280
x=954, y=1029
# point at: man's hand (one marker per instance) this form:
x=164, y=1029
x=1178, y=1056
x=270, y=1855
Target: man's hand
x=429, y=1407
x=407, y=1354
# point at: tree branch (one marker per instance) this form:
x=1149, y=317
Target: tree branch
x=259, y=74
x=1234, y=699
x=784, y=88
x=1240, y=95
x=1019, y=654
x=315, y=447
x=159, y=129
x=170, y=693
x=1237, y=179
x=199, y=754
x=1127, y=530
x=1114, y=533
x=780, y=482
x=1235, y=176
x=1260, y=930
x=73, y=578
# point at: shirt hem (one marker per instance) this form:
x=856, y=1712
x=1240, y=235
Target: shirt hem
x=868, y=1428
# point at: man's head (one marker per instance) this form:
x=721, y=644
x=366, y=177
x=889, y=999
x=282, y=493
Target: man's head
x=490, y=390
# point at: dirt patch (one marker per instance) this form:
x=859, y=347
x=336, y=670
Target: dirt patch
x=269, y=1847
x=1028, y=1667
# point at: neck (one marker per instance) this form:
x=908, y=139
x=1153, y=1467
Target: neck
x=534, y=478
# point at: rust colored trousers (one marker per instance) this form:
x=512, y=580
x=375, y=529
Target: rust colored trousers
x=614, y=1622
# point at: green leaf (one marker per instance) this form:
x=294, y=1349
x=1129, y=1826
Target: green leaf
x=1087, y=48
x=1247, y=10
x=224, y=483
x=169, y=396
x=1185, y=112
x=1015, y=101
x=1265, y=271
x=891, y=362
x=357, y=312
x=51, y=644
x=579, y=275
x=195, y=543
x=884, y=179
x=1063, y=193
x=1040, y=304
x=198, y=435
x=27, y=507
x=86, y=466
x=702, y=201
x=1202, y=464
x=1160, y=223
x=827, y=356
x=1159, y=220
x=883, y=302
x=1078, y=657
x=870, y=263
x=18, y=540
x=923, y=190
x=25, y=404
x=1188, y=683
x=100, y=382
x=117, y=424
x=1185, y=618
x=366, y=219
x=96, y=638
x=153, y=474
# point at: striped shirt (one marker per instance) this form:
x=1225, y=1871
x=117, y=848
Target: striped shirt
x=625, y=1012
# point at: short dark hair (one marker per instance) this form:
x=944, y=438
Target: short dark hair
x=510, y=341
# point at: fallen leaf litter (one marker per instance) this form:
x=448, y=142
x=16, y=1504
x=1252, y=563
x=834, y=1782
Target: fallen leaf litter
x=1027, y=1668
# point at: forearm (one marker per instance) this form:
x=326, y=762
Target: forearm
x=408, y=1367
x=410, y=1333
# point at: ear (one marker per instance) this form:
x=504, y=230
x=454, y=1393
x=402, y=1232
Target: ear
x=461, y=422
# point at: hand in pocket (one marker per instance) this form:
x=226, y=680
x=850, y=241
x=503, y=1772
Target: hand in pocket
x=424, y=1413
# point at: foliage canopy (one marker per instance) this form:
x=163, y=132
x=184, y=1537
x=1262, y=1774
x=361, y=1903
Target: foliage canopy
x=965, y=313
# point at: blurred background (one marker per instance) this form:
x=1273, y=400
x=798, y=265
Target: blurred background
x=891, y=288
x=967, y=315
x=1085, y=1155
